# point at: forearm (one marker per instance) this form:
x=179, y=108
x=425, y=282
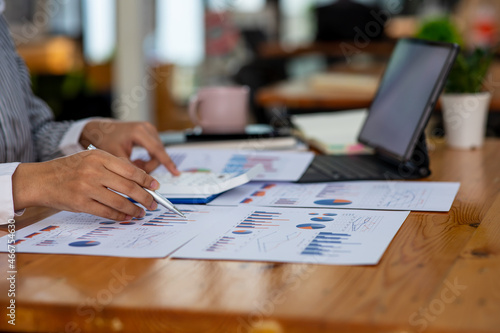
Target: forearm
x=26, y=191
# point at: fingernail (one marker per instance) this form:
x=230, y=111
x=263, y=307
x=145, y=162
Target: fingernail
x=142, y=214
x=155, y=185
x=128, y=217
x=153, y=206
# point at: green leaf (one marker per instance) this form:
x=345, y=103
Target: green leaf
x=470, y=68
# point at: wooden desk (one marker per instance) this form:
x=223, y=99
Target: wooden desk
x=440, y=274
x=300, y=95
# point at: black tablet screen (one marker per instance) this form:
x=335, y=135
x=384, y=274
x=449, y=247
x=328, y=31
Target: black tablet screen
x=411, y=84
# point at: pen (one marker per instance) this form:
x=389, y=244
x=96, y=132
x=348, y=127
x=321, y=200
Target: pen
x=157, y=196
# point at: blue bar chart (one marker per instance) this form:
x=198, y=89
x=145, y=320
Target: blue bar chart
x=328, y=243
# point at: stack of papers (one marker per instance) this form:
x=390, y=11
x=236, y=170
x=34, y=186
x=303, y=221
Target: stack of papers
x=332, y=133
x=345, y=223
x=319, y=236
x=220, y=170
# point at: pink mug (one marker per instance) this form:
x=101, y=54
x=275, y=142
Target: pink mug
x=220, y=109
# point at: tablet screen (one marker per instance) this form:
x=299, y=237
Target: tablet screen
x=410, y=87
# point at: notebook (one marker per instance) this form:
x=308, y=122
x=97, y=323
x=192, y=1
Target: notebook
x=408, y=91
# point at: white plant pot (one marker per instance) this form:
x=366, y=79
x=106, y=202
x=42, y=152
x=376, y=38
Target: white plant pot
x=464, y=117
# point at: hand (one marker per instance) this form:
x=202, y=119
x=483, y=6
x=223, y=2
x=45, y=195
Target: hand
x=118, y=138
x=82, y=183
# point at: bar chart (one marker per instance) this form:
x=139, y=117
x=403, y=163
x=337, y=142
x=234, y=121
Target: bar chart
x=261, y=220
x=329, y=244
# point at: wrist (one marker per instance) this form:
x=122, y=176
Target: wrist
x=24, y=186
x=94, y=131
x=87, y=133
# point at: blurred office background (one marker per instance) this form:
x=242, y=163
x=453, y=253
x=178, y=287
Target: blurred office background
x=143, y=59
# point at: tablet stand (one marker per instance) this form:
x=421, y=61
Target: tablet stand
x=418, y=165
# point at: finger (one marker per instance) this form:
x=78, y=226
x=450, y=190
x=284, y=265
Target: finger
x=127, y=170
x=120, y=152
x=129, y=188
x=162, y=158
x=151, y=165
x=140, y=164
x=148, y=139
x=118, y=203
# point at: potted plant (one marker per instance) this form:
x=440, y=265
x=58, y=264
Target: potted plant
x=464, y=102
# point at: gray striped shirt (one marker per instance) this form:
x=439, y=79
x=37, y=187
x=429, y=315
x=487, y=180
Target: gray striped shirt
x=28, y=132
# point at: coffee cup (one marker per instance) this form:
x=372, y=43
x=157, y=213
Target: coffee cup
x=220, y=109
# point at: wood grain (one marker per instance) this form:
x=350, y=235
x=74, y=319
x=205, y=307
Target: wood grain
x=69, y=293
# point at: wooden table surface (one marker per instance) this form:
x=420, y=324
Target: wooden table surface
x=300, y=94
x=441, y=273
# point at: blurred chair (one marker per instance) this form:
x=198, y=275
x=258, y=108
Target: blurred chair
x=344, y=19
x=341, y=21
x=259, y=72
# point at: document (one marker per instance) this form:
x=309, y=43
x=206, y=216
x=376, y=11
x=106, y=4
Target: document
x=278, y=165
x=306, y=235
x=386, y=195
x=156, y=235
x=317, y=236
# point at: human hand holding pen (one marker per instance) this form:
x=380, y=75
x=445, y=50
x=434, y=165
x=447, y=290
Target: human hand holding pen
x=81, y=183
x=157, y=196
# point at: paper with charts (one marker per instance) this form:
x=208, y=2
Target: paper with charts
x=278, y=165
x=320, y=236
x=156, y=235
x=388, y=195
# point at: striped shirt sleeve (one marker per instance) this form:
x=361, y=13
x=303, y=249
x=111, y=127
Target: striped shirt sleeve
x=28, y=132
x=46, y=133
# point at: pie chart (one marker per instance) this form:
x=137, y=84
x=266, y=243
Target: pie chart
x=322, y=218
x=84, y=243
x=333, y=202
x=310, y=226
x=127, y=223
x=242, y=232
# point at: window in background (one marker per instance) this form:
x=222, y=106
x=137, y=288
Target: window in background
x=297, y=24
x=99, y=30
x=247, y=6
x=179, y=39
x=65, y=18
x=179, y=32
